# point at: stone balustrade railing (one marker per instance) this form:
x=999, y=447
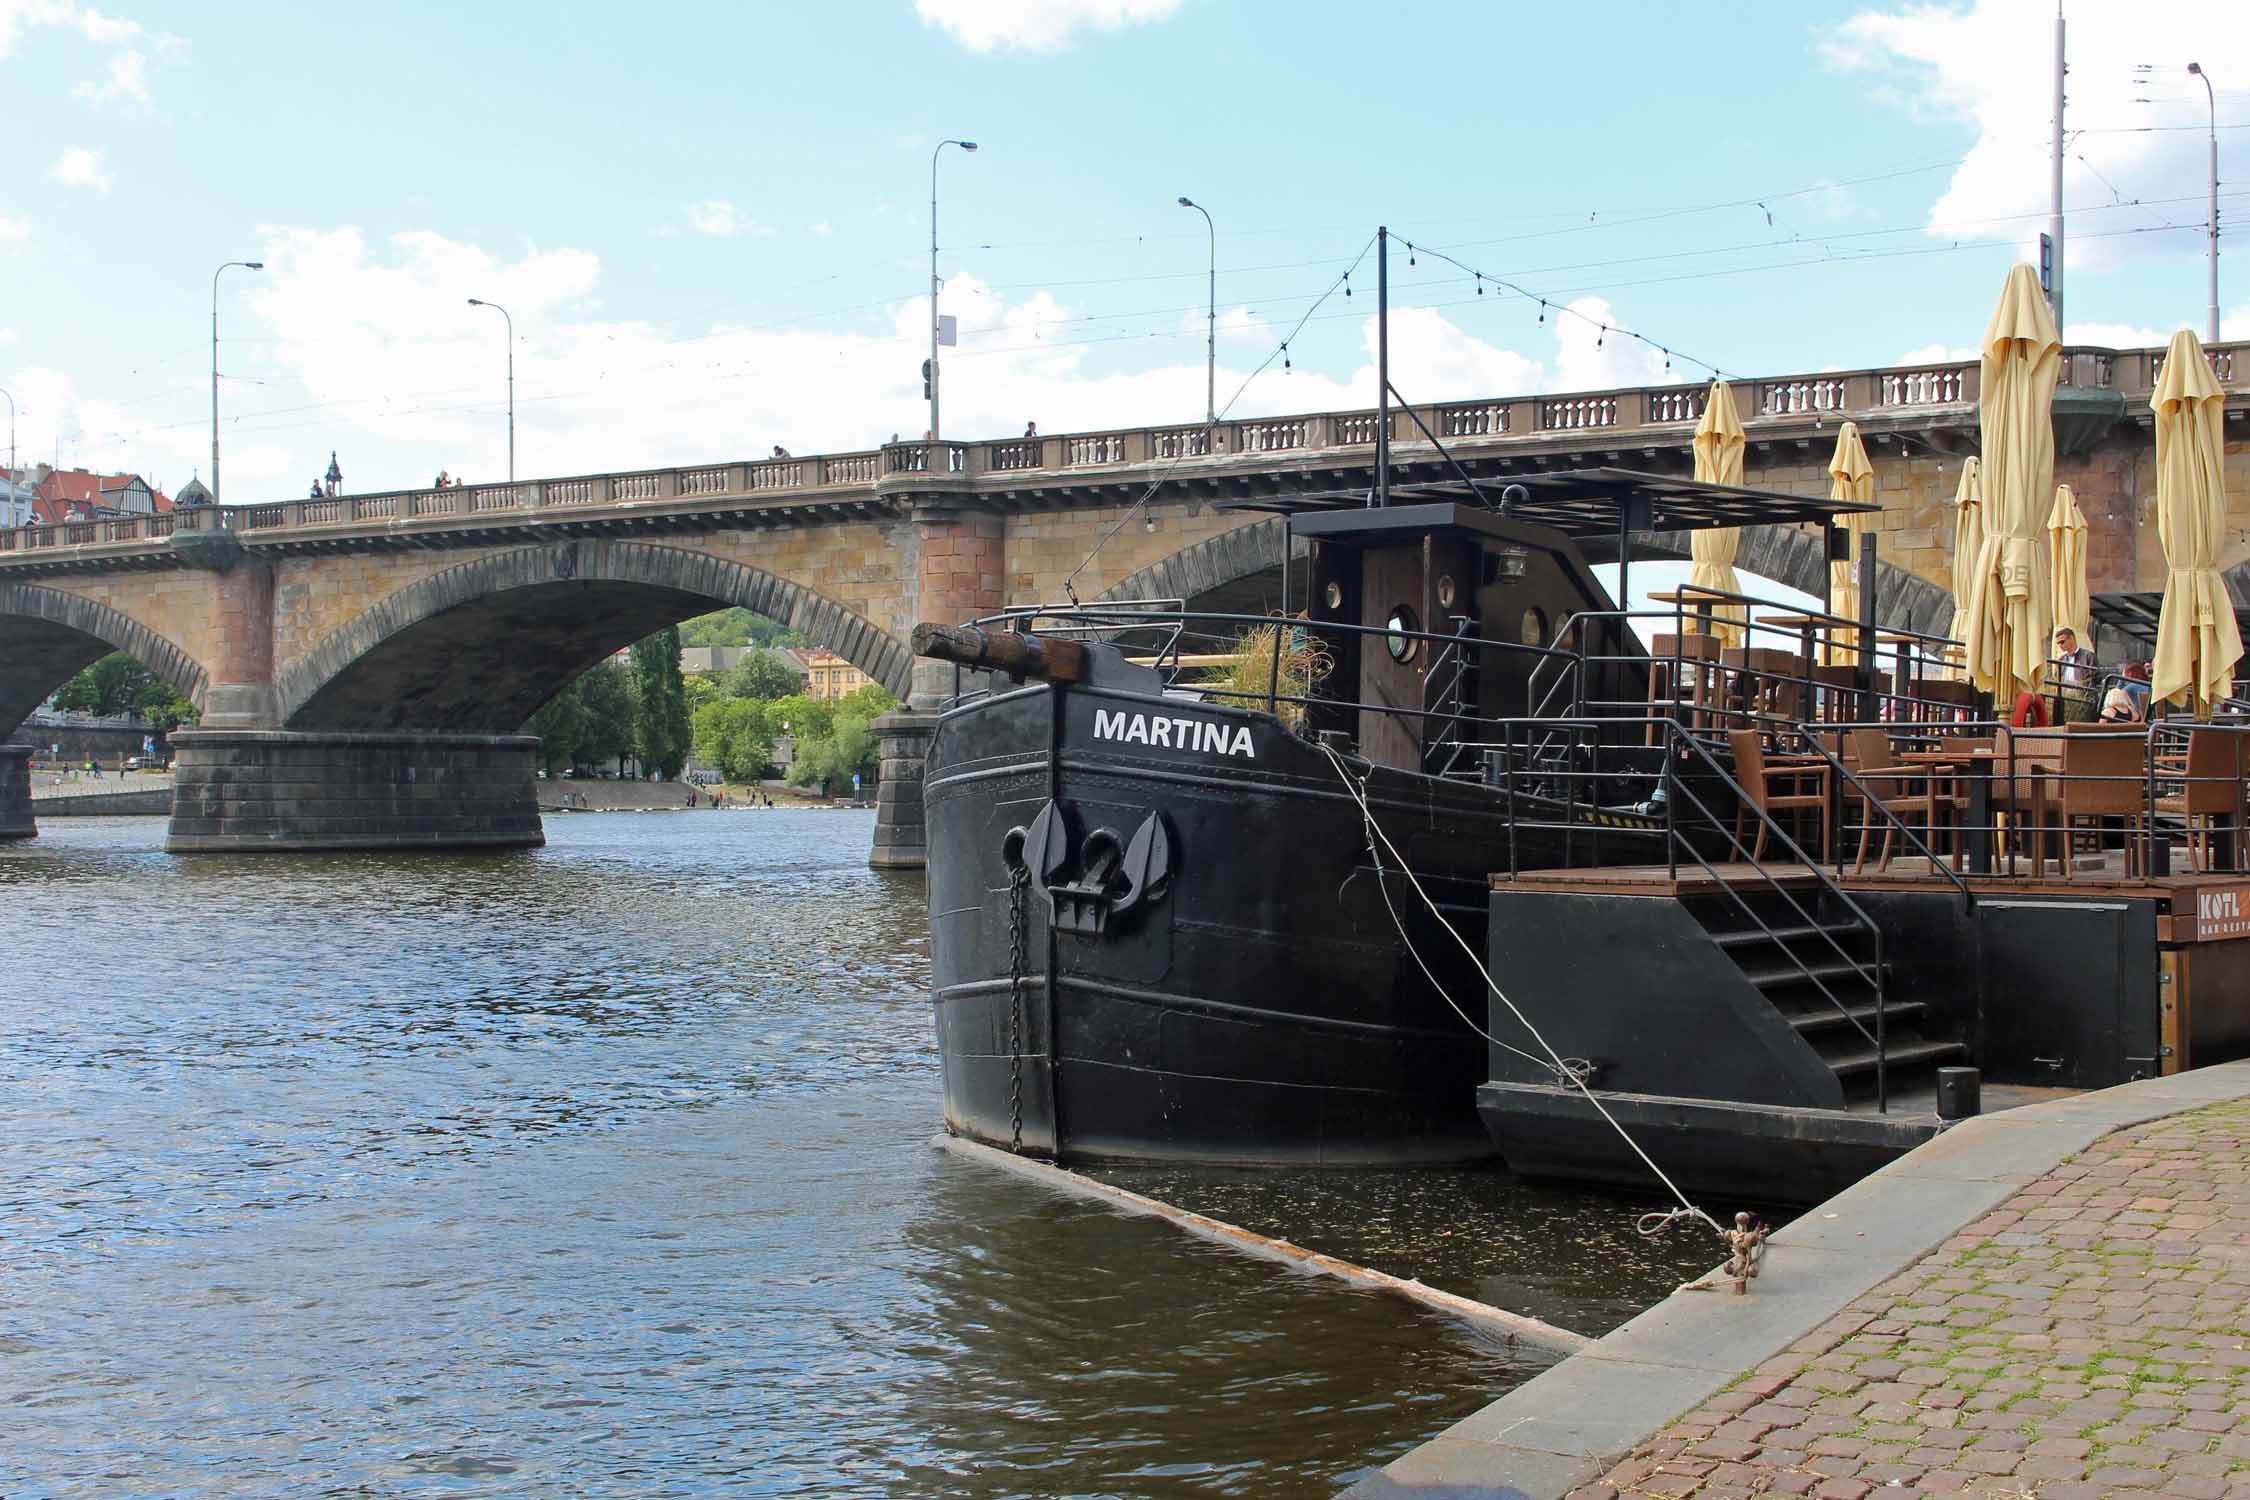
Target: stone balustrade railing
x=1649, y=412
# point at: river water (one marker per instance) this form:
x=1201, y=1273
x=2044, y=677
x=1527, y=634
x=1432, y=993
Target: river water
x=604, y=1170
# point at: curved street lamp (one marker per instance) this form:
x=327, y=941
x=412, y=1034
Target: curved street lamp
x=941, y=145
x=1210, y=321
x=511, y=322
x=247, y=265
x=2211, y=99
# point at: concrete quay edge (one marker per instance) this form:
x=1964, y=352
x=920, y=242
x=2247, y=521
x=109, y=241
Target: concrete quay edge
x=1573, y=1422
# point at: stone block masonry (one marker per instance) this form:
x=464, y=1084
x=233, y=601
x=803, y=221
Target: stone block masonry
x=15, y=792
x=243, y=790
x=2090, y=1337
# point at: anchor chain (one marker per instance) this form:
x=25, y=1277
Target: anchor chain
x=1019, y=882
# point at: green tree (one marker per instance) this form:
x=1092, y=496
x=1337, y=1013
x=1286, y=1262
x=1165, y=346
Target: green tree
x=737, y=627
x=118, y=685
x=611, y=704
x=834, y=740
x=733, y=736
x=662, y=732
x=560, y=724
x=701, y=688
x=764, y=675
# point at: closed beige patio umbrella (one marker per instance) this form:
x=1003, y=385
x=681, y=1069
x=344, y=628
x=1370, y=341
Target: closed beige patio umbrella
x=1850, y=477
x=1718, y=445
x=2007, y=628
x=2197, y=642
x=2066, y=547
x=1968, y=542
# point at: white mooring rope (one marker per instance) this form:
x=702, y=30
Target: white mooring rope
x=1649, y=1224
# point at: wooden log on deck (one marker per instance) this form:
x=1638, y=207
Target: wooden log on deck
x=1013, y=652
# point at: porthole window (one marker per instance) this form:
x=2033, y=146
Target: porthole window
x=1402, y=626
x=1534, y=628
x=1334, y=595
x=1447, y=591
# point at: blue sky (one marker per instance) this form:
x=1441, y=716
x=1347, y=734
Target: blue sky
x=711, y=222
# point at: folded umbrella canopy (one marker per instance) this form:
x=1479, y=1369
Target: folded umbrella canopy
x=1968, y=541
x=2007, y=632
x=2066, y=546
x=1718, y=447
x=2197, y=642
x=1850, y=477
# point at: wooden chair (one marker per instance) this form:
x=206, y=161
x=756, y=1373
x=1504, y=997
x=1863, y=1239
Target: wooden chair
x=1765, y=681
x=1941, y=698
x=1775, y=788
x=2103, y=774
x=1697, y=658
x=2210, y=788
x=2022, y=767
x=1902, y=790
x=1838, y=687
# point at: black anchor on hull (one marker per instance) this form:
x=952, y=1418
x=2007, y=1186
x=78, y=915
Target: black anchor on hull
x=1116, y=876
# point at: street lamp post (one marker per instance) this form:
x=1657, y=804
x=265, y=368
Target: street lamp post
x=1210, y=321
x=511, y=322
x=247, y=265
x=2212, y=100
x=941, y=145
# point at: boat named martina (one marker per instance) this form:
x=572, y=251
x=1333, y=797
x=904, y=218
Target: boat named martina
x=1158, y=929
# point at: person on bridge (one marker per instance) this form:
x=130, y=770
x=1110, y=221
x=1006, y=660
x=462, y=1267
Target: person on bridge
x=315, y=494
x=1031, y=429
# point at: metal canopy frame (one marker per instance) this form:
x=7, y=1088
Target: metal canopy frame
x=1590, y=502
x=2136, y=615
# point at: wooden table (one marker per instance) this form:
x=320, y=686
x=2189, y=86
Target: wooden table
x=1977, y=768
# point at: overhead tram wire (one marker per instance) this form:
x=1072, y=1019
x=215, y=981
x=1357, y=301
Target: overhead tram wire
x=1343, y=282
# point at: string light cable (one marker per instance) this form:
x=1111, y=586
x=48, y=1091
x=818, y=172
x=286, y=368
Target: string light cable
x=1342, y=282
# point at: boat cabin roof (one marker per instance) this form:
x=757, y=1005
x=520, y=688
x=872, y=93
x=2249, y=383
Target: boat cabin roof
x=1577, y=502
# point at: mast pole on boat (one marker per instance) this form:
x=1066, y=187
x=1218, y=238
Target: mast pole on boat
x=1382, y=366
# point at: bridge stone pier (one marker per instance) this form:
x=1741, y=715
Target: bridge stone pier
x=15, y=792
x=365, y=664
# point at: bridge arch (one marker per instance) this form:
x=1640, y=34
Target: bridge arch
x=477, y=648
x=47, y=636
x=1218, y=565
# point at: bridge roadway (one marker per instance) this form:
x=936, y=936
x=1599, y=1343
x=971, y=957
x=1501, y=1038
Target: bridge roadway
x=365, y=663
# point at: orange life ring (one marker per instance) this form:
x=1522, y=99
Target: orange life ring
x=2031, y=712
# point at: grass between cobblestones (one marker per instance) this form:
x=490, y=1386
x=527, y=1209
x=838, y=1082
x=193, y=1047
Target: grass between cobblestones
x=2089, y=1337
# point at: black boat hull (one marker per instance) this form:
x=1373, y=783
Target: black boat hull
x=1263, y=1009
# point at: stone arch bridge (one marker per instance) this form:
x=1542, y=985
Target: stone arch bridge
x=365, y=663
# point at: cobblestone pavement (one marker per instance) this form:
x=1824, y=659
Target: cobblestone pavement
x=2089, y=1337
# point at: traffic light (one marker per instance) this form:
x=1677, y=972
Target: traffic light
x=925, y=380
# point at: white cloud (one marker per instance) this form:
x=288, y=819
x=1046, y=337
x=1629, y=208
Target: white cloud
x=364, y=345
x=14, y=231
x=1935, y=354
x=1591, y=355
x=823, y=229
x=80, y=166
x=1988, y=65
x=127, y=82
x=1034, y=25
x=126, y=75
x=722, y=220
x=7, y=335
